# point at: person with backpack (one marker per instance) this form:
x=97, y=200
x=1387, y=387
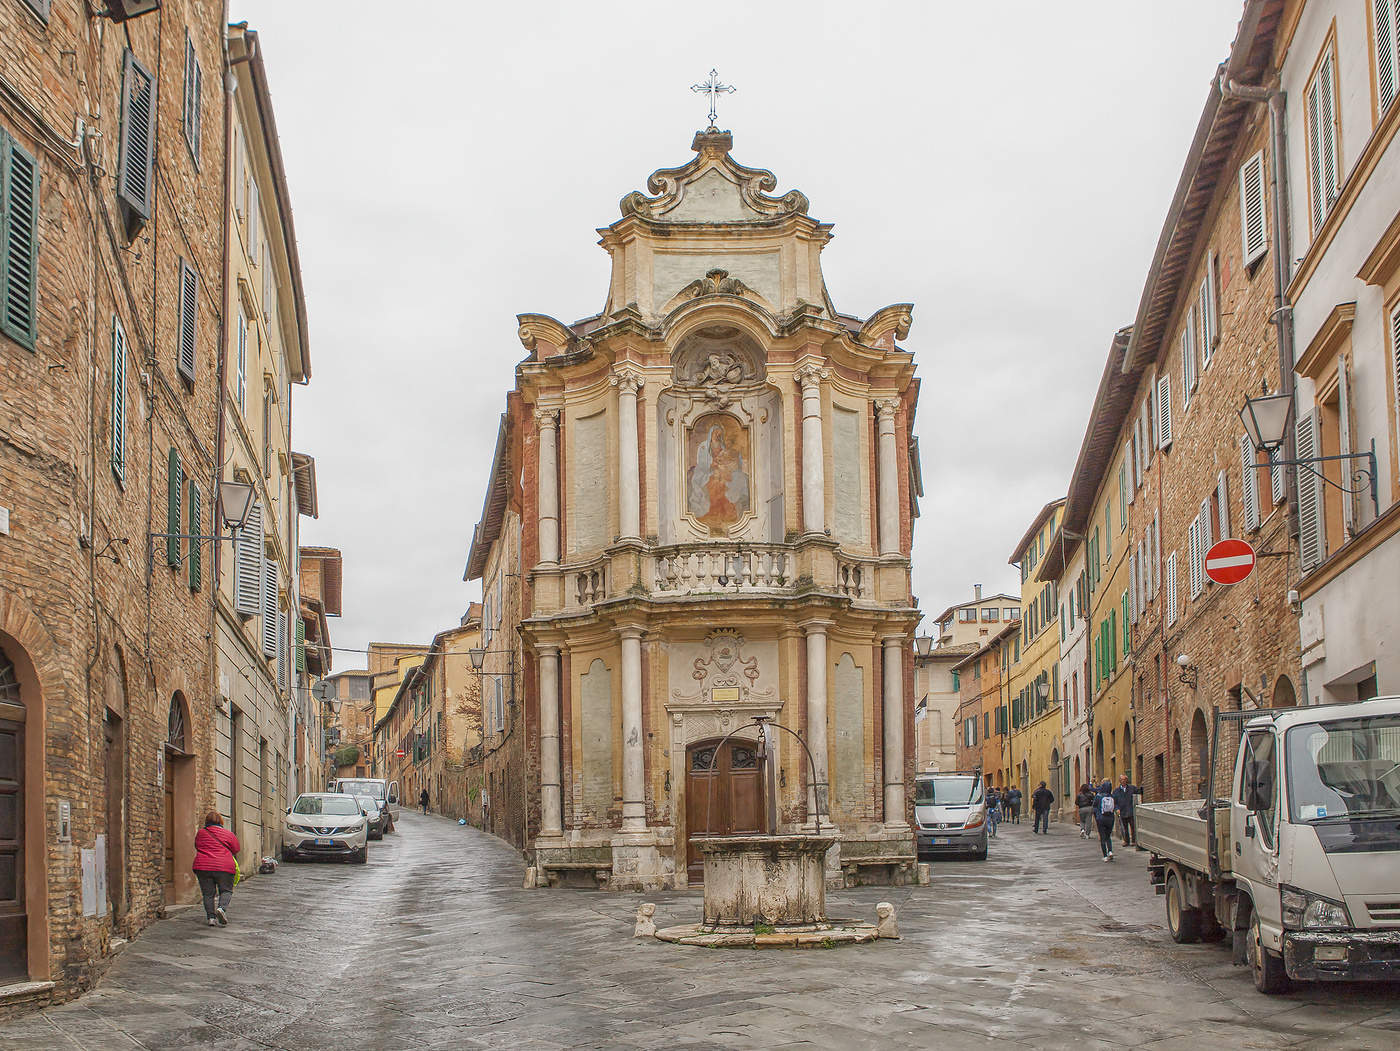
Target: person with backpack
x=993, y=811
x=215, y=866
x=1104, y=815
x=1041, y=799
x=1084, y=803
x=1123, y=803
x=1014, y=797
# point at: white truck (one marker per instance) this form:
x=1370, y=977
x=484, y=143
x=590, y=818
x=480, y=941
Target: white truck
x=386, y=792
x=1299, y=863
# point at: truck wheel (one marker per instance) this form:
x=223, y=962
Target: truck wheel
x=1269, y=975
x=1183, y=922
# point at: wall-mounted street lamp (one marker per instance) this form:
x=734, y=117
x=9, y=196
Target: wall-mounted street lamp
x=1189, y=673
x=234, y=500
x=1265, y=420
x=477, y=654
x=923, y=645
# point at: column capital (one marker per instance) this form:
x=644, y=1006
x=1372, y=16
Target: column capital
x=626, y=378
x=548, y=649
x=546, y=419
x=886, y=408
x=811, y=375
x=631, y=631
x=816, y=625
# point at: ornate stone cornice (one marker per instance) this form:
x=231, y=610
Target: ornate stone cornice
x=893, y=320
x=670, y=185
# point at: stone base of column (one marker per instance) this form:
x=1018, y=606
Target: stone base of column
x=638, y=862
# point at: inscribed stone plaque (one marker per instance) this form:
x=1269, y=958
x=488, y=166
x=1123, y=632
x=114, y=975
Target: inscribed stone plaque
x=595, y=699
x=850, y=775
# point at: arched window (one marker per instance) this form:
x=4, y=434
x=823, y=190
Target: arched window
x=9, y=681
x=1200, y=752
x=1284, y=694
x=176, y=735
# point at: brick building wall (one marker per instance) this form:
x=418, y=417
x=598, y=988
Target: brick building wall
x=109, y=646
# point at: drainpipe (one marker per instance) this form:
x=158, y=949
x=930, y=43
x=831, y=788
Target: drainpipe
x=1277, y=101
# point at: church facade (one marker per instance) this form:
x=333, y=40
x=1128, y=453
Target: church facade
x=700, y=514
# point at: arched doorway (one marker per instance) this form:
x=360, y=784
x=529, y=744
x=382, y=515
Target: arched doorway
x=14, y=918
x=1200, y=753
x=1284, y=694
x=1177, y=771
x=114, y=767
x=1078, y=775
x=1100, y=766
x=723, y=795
x=178, y=810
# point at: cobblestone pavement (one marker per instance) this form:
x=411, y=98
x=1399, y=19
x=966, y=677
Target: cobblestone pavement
x=434, y=945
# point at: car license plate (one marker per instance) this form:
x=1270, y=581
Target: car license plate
x=324, y=842
x=941, y=841
x=1330, y=954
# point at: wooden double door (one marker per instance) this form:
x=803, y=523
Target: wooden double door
x=723, y=795
x=14, y=920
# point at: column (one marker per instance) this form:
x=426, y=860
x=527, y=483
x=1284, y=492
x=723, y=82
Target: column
x=887, y=494
x=634, y=808
x=816, y=713
x=548, y=422
x=551, y=800
x=628, y=383
x=813, y=454
x=893, y=681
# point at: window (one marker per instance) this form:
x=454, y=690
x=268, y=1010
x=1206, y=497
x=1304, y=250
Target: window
x=194, y=85
x=269, y=608
x=1220, y=528
x=1209, y=310
x=1123, y=495
x=1249, y=486
x=1188, y=358
x=968, y=615
x=118, y=401
x=136, y=153
x=189, y=316
x=956, y=682
x=195, y=574
x=242, y=378
x=1108, y=532
x=1164, y=413
x=253, y=216
x=1387, y=26
x=267, y=286
x=1010, y=613
x=1127, y=634
x=1254, y=228
x=174, y=484
x=267, y=435
x=1324, y=176
x=19, y=242
x=1312, y=527
x=990, y=615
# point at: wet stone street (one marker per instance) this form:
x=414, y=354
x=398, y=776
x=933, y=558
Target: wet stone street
x=434, y=945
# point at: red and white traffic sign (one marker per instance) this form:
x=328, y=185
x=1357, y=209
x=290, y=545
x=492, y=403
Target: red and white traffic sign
x=400, y=754
x=1229, y=561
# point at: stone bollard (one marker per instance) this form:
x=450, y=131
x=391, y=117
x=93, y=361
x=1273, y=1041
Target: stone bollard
x=925, y=873
x=886, y=927
x=531, y=878
x=645, y=927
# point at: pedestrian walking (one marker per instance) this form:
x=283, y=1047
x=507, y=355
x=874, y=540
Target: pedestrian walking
x=1015, y=796
x=1084, y=802
x=215, y=867
x=1123, y=803
x=423, y=800
x=1103, y=814
x=1041, y=799
x=993, y=811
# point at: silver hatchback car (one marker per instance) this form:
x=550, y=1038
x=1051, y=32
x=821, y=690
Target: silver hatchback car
x=951, y=813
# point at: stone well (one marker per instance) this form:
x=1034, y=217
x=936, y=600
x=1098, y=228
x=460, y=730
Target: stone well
x=774, y=880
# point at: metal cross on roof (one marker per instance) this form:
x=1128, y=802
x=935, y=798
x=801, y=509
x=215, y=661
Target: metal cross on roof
x=713, y=88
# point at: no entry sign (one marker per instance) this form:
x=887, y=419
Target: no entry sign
x=400, y=754
x=1229, y=561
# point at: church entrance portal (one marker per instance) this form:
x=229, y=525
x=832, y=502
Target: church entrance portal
x=723, y=800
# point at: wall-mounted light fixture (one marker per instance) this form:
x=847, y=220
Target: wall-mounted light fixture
x=1265, y=420
x=1189, y=673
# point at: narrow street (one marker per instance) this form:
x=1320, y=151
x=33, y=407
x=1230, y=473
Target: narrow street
x=434, y=944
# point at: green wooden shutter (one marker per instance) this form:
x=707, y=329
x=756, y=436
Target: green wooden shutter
x=19, y=242
x=136, y=153
x=194, y=531
x=174, y=480
x=301, y=645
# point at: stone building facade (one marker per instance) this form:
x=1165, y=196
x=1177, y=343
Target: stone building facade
x=109, y=352
x=708, y=491
x=936, y=703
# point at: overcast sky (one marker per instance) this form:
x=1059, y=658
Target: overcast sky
x=1005, y=167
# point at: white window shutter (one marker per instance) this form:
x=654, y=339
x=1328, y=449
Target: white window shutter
x=1331, y=163
x=269, y=612
x=1222, y=506
x=1207, y=321
x=1193, y=556
x=281, y=642
x=1312, y=528
x=253, y=216
x=1278, y=483
x=1171, y=589
x=1344, y=437
x=248, y=568
x=1164, y=413
x=1132, y=586
x=1156, y=553
x=1385, y=53
x=1148, y=427
x=1254, y=230
x=1249, y=487
x=1207, y=537
x=1395, y=358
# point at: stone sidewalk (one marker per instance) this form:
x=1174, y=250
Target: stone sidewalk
x=434, y=945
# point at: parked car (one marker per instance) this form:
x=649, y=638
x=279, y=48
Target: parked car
x=325, y=825
x=951, y=814
x=376, y=813
x=386, y=792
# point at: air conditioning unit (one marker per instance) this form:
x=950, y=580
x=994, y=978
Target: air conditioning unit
x=121, y=10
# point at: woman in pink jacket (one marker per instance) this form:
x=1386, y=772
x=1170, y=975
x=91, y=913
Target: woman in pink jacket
x=214, y=866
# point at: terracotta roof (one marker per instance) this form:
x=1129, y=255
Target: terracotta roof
x=304, y=478
x=1035, y=525
x=973, y=602
x=1003, y=633
x=494, y=509
x=332, y=575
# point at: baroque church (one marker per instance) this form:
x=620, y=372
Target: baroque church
x=700, y=513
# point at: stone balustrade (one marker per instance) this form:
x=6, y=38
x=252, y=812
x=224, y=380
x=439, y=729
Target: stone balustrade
x=689, y=569
x=854, y=578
